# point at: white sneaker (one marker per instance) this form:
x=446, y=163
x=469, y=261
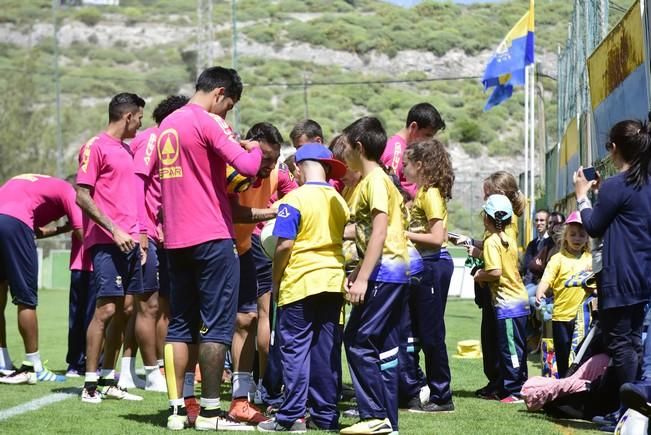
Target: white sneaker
x=93, y=396
x=158, y=385
x=24, y=375
x=175, y=421
x=127, y=381
x=221, y=422
x=424, y=395
x=113, y=392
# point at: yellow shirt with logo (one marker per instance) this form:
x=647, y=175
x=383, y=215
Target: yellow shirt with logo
x=377, y=192
x=509, y=294
x=314, y=216
x=428, y=204
x=561, y=267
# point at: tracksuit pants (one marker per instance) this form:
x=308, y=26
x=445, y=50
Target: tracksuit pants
x=80, y=313
x=372, y=340
x=489, y=349
x=511, y=345
x=562, y=334
x=308, y=332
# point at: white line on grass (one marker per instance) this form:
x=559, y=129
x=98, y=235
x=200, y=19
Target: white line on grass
x=33, y=405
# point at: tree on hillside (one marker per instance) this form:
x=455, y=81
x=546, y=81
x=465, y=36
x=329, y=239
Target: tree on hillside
x=23, y=125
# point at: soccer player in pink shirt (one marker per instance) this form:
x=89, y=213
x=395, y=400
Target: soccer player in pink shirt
x=423, y=122
x=194, y=145
x=107, y=195
x=145, y=328
x=28, y=203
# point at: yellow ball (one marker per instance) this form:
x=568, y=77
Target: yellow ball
x=236, y=182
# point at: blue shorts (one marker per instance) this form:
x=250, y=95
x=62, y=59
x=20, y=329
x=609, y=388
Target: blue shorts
x=116, y=273
x=204, y=281
x=247, y=299
x=262, y=266
x=150, y=269
x=18, y=260
x=163, y=273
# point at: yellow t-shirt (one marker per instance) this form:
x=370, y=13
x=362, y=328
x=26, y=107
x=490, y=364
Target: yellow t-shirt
x=314, y=216
x=559, y=269
x=511, y=230
x=377, y=192
x=509, y=294
x=351, y=257
x=428, y=204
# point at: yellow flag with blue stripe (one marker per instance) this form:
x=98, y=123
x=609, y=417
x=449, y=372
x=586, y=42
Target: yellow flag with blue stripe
x=506, y=66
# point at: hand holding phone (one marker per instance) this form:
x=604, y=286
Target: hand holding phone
x=590, y=173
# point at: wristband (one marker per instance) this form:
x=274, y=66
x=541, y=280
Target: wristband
x=583, y=203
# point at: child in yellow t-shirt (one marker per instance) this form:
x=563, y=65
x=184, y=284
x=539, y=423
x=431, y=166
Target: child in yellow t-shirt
x=509, y=297
x=573, y=258
x=308, y=281
x=377, y=287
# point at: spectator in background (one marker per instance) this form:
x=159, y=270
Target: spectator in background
x=423, y=122
x=535, y=246
x=622, y=216
x=550, y=246
x=306, y=131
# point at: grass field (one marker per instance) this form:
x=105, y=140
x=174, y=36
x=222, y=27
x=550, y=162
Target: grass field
x=472, y=416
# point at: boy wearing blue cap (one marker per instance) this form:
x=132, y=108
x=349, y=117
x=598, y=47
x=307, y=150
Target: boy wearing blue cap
x=509, y=296
x=308, y=281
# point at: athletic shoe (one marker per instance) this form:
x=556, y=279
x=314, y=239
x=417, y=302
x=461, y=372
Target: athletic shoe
x=634, y=396
x=244, y=412
x=432, y=407
x=351, y=413
x=372, y=426
x=512, y=399
x=178, y=419
x=48, y=375
x=424, y=394
x=113, y=392
x=310, y=424
x=24, y=375
x=272, y=425
x=7, y=371
x=216, y=419
x=607, y=420
x=91, y=396
x=487, y=394
x=73, y=373
x=158, y=386
x=414, y=402
x=131, y=381
x=192, y=409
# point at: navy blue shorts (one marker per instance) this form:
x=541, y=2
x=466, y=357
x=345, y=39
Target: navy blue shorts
x=163, y=273
x=262, y=266
x=204, y=281
x=150, y=269
x=116, y=273
x=19, y=260
x=247, y=299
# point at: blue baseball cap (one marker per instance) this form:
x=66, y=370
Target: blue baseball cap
x=320, y=153
x=498, y=203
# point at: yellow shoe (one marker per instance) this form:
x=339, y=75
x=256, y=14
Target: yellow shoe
x=365, y=427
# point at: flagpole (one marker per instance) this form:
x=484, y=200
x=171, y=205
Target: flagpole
x=532, y=143
x=526, y=136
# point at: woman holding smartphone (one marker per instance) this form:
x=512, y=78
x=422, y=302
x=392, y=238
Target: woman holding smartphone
x=622, y=216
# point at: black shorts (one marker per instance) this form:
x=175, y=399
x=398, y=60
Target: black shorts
x=19, y=260
x=116, y=273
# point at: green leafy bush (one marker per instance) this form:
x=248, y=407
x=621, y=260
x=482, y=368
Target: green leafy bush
x=88, y=15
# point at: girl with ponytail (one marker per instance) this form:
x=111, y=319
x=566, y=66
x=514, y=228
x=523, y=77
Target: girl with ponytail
x=622, y=217
x=508, y=296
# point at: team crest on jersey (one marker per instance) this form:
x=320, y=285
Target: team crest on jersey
x=283, y=213
x=168, y=153
x=204, y=329
x=118, y=281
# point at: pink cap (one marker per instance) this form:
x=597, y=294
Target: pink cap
x=574, y=218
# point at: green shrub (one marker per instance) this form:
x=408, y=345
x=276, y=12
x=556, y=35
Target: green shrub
x=473, y=149
x=166, y=81
x=88, y=15
x=467, y=130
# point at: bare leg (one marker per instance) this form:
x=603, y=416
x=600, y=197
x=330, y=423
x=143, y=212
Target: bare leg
x=4, y=288
x=162, y=322
x=126, y=324
x=146, y=326
x=114, y=333
x=28, y=327
x=264, y=332
x=243, y=347
x=104, y=311
x=211, y=363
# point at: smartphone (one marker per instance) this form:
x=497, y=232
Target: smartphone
x=590, y=173
x=454, y=237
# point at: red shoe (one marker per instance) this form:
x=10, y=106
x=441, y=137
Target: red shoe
x=192, y=408
x=512, y=399
x=244, y=412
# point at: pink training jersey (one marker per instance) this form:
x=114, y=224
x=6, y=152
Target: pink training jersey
x=193, y=149
x=106, y=166
x=145, y=158
x=392, y=158
x=79, y=258
x=36, y=200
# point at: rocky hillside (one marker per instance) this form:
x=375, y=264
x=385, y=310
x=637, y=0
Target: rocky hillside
x=152, y=51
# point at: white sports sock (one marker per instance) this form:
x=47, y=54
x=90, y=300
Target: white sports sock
x=35, y=359
x=153, y=375
x=209, y=403
x=188, y=385
x=107, y=374
x=241, y=384
x=177, y=402
x=5, y=360
x=90, y=377
x=161, y=363
x=128, y=365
